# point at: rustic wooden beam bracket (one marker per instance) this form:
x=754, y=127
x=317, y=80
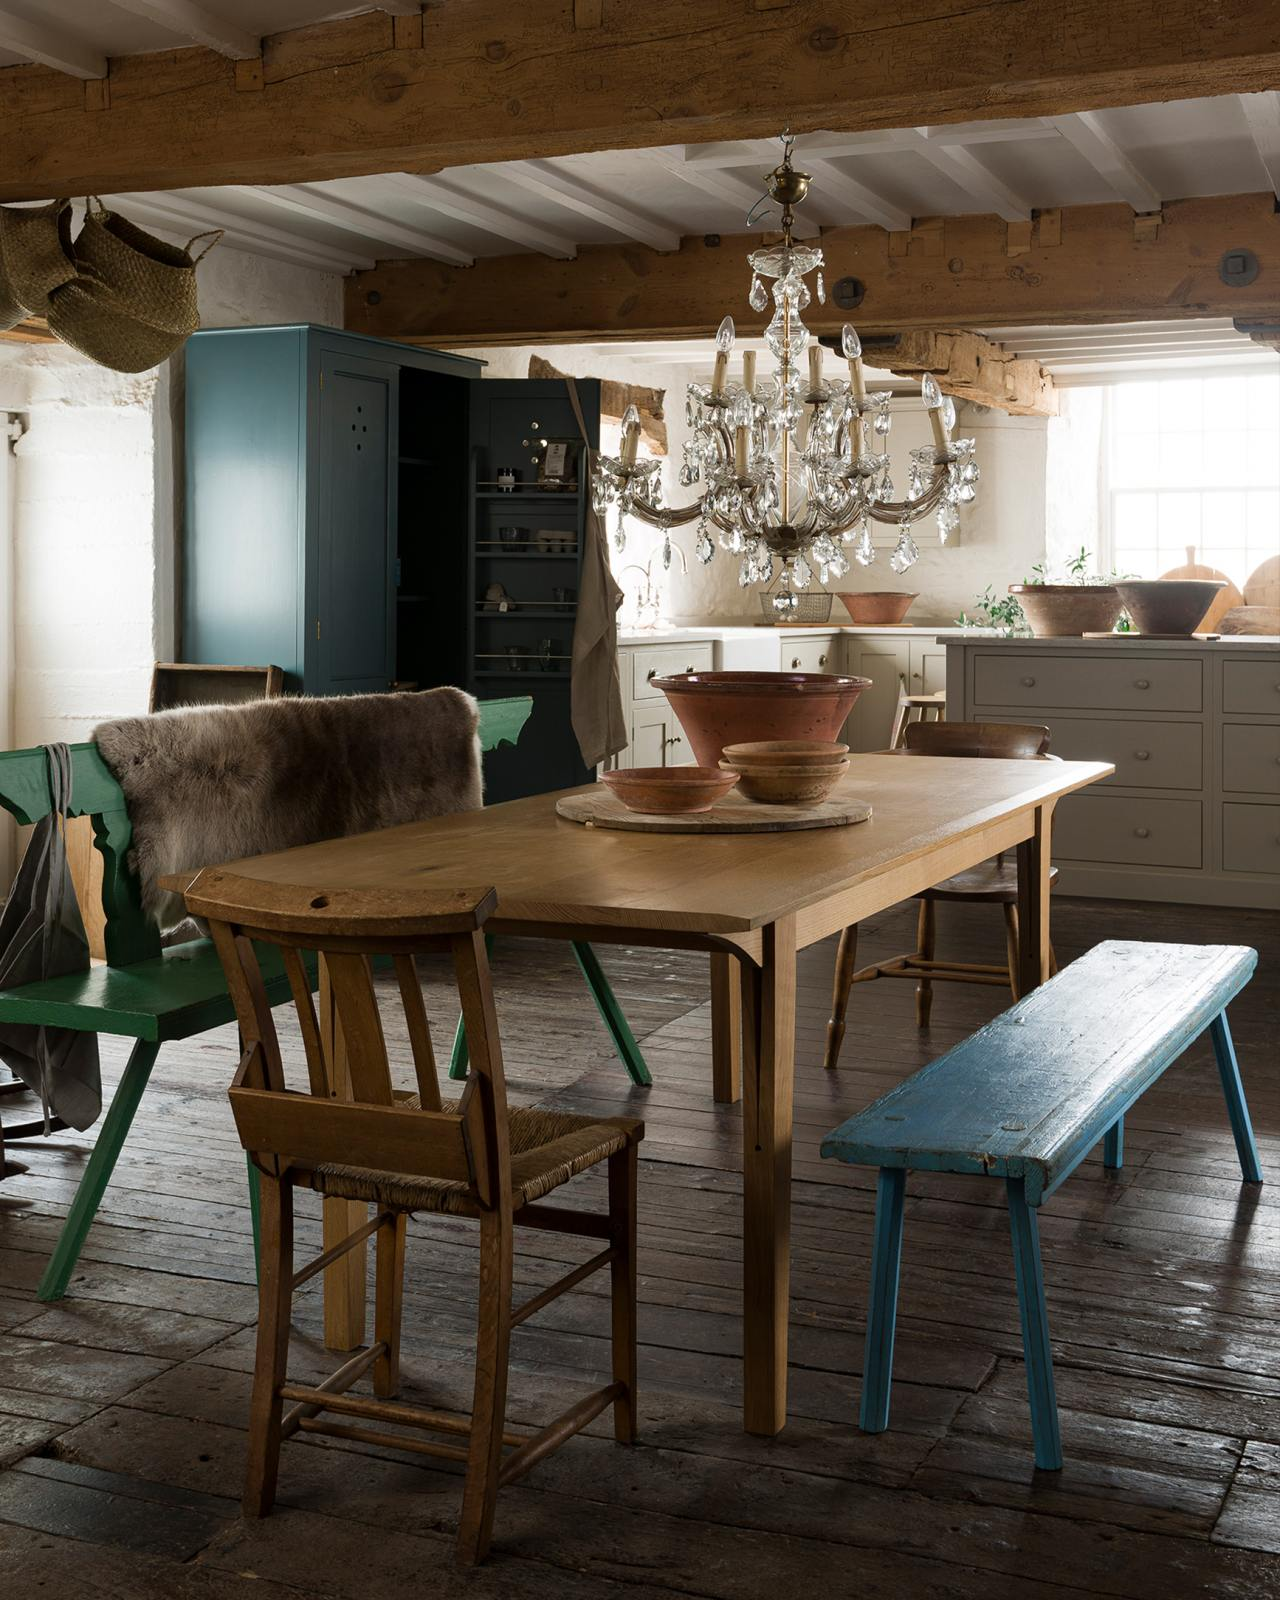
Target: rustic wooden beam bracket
x=250, y=75
x=97, y=94
x=406, y=32
x=1017, y=238
x=1146, y=226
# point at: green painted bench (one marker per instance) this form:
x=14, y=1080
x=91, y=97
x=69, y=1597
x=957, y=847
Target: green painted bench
x=1026, y=1099
x=153, y=994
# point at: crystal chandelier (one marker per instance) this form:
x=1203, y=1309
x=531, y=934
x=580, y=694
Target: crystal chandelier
x=795, y=469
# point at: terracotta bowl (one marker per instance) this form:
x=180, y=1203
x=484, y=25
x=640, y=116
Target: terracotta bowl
x=720, y=708
x=814, y=753
x=787, y=786
x=1168, y=605
x=878, y=606
x=1066, y=610
x=669, y=791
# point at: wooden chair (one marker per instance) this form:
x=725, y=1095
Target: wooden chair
x=993, y=882
x=406, y=1153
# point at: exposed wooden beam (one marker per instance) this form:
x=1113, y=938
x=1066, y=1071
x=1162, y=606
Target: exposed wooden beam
x=1264, y=333
x=198, y=24
x=497, y=82
x=1097, y=273
x=1088, y=135
x=971, y=174
x=1262, y=112
x=32, y=330
x=50, y=47
x=549, y=183
x=865, y=204
x=305, y=201
x=176, y=215
x=448, y=201
x=970, y=367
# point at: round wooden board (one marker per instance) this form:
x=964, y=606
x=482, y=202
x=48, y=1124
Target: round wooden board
x=733, y=814
x=1262, y=586
x=1223, y=601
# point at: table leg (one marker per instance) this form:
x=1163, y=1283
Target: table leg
x=768, y=1061
x=344, y=1281
x=1033, y=903
x=726, y=1030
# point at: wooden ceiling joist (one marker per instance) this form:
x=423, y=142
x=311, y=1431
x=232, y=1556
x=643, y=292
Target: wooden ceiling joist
x=494, y=82
x=46, y=45
x=197, y=23
x=955, y=272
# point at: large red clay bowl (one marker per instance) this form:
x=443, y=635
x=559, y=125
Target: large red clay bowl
x=720, y=708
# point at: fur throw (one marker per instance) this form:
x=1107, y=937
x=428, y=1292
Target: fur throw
x=215, y=783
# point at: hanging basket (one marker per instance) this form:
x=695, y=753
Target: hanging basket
x=35, y=258
x=132, y=302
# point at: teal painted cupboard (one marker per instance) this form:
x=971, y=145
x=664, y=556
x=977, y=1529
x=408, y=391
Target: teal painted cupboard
x=297, y=516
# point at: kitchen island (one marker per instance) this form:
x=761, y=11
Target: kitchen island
x=1192, y=727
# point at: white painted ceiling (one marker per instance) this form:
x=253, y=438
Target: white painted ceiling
x=1141, y=155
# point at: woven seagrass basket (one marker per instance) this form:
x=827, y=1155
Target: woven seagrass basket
x=132, y=302
x=35, y=258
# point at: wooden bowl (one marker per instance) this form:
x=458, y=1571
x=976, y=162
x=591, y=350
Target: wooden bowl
x=786, y=753
x=787, y=786
x=669, y=791
x=877, y=606
x=1168, y=605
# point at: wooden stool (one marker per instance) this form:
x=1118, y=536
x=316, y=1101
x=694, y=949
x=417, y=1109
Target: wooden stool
x=928, y=707
x=401, y=1154
x=992, y=882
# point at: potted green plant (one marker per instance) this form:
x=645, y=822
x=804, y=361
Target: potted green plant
x=1081, y=602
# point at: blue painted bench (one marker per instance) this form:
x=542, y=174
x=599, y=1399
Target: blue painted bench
x=1026, y=1099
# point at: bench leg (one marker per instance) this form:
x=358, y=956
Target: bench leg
x=1113, y=1146
x=1237, y=1105
x=882, y=1309
x=97, y=1173
x=624, y=1041
x=1035, y=1327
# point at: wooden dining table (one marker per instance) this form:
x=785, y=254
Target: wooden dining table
x=751, y=901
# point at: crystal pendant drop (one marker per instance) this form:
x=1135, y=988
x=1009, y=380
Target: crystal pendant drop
x=666, y=552
x=948, y=521
x=704, y=549
x=801, y=572
x=620, y=534
x=864, y=552
x=886, y=486
x=905, y=554
x=822, y=290
x=758, y=298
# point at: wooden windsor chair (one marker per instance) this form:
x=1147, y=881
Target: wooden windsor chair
x=993, y=882
x=406, y=1153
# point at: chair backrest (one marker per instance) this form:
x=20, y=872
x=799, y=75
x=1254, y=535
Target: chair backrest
x=1006, y=741
x=280, y=1126
x=129, y=934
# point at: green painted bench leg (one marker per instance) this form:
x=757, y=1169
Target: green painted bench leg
x=1237, y=1105
x=1113, y=1146
x=882, y=1307
x=97, y=1174
x=624, y=1041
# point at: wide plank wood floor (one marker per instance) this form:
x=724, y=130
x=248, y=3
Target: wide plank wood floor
x=122, y=1410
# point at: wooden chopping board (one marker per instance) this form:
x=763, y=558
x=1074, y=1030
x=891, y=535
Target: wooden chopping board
x=1262, y=586
x=1226, y=598
x=733, y=814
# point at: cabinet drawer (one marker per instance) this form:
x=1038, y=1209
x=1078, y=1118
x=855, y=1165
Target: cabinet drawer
x=1251, y=838
x=1141, y=833
x=1146, y=755
x=648, y=663
x=1251, y=686
x=1090, y=683
x=810, y=655
x=1251, y=758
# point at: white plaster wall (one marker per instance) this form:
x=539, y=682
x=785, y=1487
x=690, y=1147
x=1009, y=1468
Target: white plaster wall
x=97, y=488
x=1001, y=537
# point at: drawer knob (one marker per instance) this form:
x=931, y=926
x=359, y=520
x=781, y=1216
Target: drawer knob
x=1142, y=683
x=689, y=668
x=1142, y=755
x=652, y=673
x=822, y=661
x=795, y=661
x=1028, y=683
x=1142, y=833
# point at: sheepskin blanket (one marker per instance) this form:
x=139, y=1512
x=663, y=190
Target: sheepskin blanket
x=211, y=784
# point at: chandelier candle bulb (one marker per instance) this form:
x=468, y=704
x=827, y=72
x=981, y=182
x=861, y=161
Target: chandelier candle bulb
x=749, y=371
x=815, y=369
x=852, y=347
x=724, y=344
x=932, y=397
x=741, y=450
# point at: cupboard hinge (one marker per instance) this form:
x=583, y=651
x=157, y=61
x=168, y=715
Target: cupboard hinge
x=317, y=627
x=322, y=379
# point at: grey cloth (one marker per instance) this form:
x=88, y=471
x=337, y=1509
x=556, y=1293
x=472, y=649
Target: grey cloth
x=595, y=692
x=42, y=936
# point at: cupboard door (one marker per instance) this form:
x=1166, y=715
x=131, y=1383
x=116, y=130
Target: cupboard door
x=355, y=527
x=887, y=662
x=928, y=666
x=657, y=740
